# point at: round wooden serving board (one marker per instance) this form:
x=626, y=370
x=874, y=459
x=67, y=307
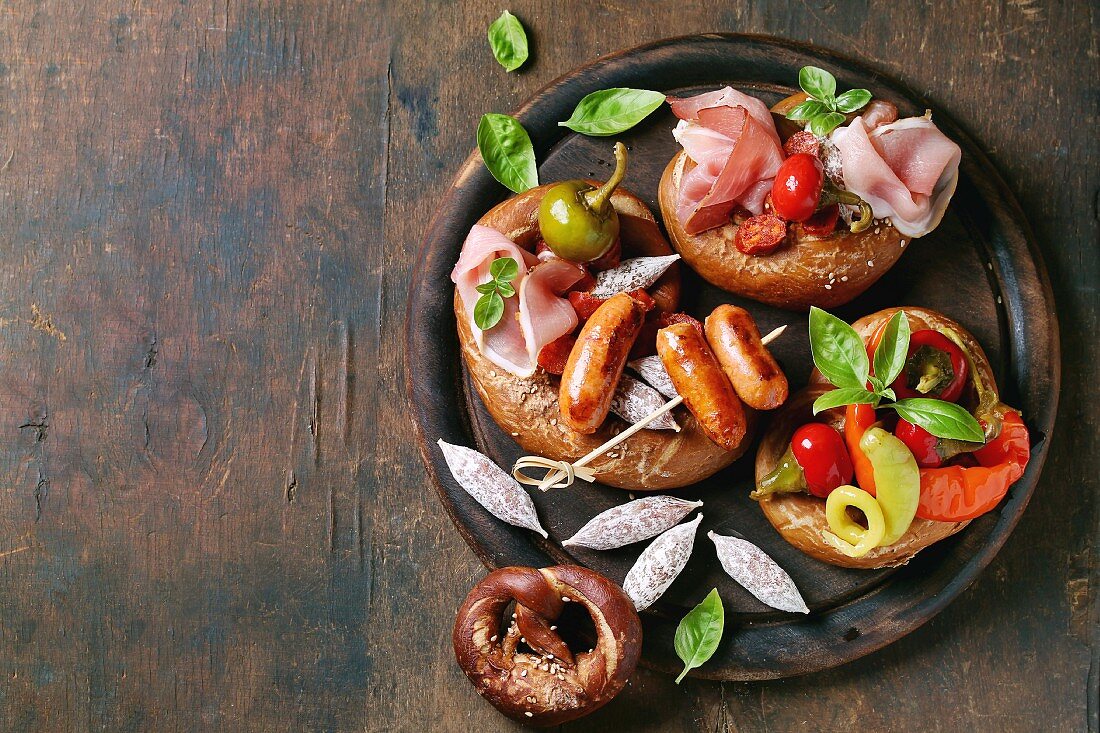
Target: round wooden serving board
x=979, y=267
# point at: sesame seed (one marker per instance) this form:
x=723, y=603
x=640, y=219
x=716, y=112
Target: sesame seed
x=828, y=287
x=876, y=230
x=553, y=421
x=870, y=263
x=513, y=615
x=565, y=599
x=561, y=677
x=523, y=640
x=844, y=279
x=553, y=628
x=532, y=698
x=903, y=243
x=529, y=714
x=515, y=435
x=493, y=637
x=523, y=673
x=549, y=655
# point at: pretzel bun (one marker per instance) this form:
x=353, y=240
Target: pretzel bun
x=807, y=270
x=800, y=518
x=543, y=682
x=649, y=460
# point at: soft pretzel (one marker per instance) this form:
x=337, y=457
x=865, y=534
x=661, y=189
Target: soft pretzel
x=548, y=684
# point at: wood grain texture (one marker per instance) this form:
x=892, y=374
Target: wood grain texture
x=213, y=516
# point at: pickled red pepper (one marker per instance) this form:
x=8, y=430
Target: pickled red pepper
x=957, y=493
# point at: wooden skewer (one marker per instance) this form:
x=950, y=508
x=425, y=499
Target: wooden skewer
x=561, y=474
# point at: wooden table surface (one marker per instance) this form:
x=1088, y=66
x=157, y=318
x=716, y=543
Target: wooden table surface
x=212, y=512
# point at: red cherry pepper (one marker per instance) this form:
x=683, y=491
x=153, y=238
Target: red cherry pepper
x=797, y=187
x=820, y=453
x=937, y=360
x=958, y=493
x=920, y=442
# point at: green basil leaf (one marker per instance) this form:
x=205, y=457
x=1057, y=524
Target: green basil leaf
x=488, y=311
x=826, y=123
x=611, y=111
x=504, y=269
x=892, y=350
x=838, y=351
x=852, y=100
x=942, y=419
x=507, y=151
x=876, y=384
x=807, y=110
x=889, y=394
x=486, y=288
x=505, y=289
x=818, y=83
x=699, y=633
x=508, y=41
x=844, y=396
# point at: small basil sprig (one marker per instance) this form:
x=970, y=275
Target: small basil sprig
x=611, y=111
x=824, y=110
x=508, y=41
x=507, y=151
x=841, y=357
x=699, y=633
x=490, y=306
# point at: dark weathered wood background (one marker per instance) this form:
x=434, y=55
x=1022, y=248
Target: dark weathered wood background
x=212, y=513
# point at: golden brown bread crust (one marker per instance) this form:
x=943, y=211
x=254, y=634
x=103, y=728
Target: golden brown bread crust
x=822, y=271
x=800, y=518
x=649, y=460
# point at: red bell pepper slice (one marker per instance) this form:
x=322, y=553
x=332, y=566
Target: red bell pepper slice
x=958, y=493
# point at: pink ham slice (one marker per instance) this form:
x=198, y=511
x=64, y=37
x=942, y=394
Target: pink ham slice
x=906, y=170
x=537, y=316
x=732, y=140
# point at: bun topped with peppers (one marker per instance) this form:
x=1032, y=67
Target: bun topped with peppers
x=899, y=441
x=556, y=290
x=808, y=203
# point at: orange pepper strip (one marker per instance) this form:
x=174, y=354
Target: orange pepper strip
x=857, y=418
x=957, y=493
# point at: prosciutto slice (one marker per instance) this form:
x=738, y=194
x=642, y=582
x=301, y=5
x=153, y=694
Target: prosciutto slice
x=732, y=140
x=906, y=170
x=535, y=317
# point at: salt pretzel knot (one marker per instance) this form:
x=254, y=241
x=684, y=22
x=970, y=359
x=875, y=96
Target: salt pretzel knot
x=548, y=685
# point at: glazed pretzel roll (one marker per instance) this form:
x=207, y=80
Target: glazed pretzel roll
x=549, y=684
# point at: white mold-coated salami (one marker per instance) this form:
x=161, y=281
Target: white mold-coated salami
x=652, y=371
x=632, y=522
x=499, y=493
x=660, y=563
x=634, y=274
x=758, y=574
x=634, y=400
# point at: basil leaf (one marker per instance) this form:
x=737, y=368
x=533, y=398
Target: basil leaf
x=611, y=111
x=486, y=288
x=824, y=124
x=816, y=82
x=507, y=151
x=488, y=310
x=807, y=110
x=838, y=351
x=505, y=289
x=893, y=349
x=699, y=633
x=942, y=419
x=508, y=41
x=844, y=396
x=876, y=384
x=852, y=100
x=889, y=394
x=504, y=268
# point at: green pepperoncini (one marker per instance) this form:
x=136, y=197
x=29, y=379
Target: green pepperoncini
x=577, y=221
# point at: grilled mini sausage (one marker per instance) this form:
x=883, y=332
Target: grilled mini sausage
x=596, y=362
x=751, y=368
x=698, y=377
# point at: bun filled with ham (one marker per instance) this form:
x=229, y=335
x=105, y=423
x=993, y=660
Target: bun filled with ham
x=792, y=217
x=580, y=350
